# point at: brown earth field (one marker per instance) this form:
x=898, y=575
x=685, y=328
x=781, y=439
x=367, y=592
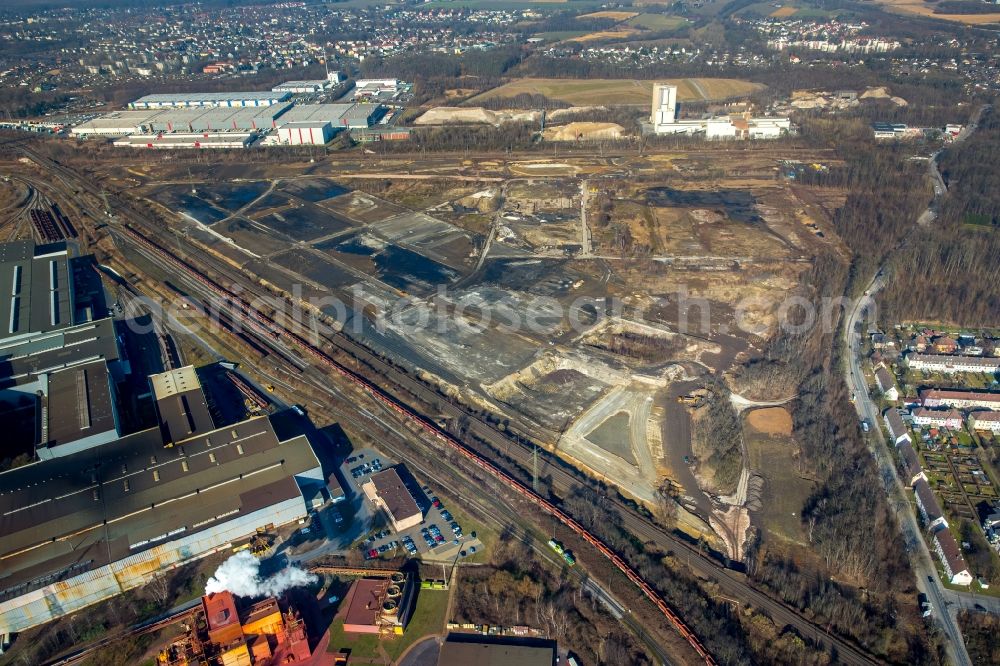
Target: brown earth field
x=618, y=91
x=771, y=421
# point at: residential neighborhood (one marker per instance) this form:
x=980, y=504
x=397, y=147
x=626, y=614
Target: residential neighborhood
x=939, y=395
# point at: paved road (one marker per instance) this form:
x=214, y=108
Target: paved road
x=945, y=602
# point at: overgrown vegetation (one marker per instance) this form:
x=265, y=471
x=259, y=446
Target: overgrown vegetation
x=980, y=632
x=716, y=434
x=948, y=272
x=516, y=589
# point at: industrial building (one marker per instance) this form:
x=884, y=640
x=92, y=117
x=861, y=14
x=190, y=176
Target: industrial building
x=379, y=605
x=305, y=133
x=351, y=116
x=188, y=140
x=228, y=99
x=121, y=123
x=663, y=120
x=302, y=87
x=386, y=491
x=77, y=530
x=101, y=510
x=260, y=635
x=461, y=650
x=59, y=353
x=215, y=127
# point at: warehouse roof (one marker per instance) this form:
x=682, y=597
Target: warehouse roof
x=37, y=288
x=498, y=653
x=308, y=112
x=80, y=403
x=182, y=98
x=304, y=124
x=180, y=404
x=71, y=514
x=21, y=359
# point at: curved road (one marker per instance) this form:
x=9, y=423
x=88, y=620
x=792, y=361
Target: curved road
x=945, y=601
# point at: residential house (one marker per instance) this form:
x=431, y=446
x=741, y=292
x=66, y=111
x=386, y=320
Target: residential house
x=886, y=384
x=985, y=421
x=928, y=505
x=914, y=472
x=951, y=557
x=960, y=399
x=944, y=345
x=952, y=364
x=881, y=341
x=897, y=429
x=940, y=418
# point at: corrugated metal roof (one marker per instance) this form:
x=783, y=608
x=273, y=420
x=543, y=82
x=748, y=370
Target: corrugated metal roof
x=99, y=505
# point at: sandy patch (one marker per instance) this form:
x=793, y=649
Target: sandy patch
x=771, y=421
x=784, y=12
x=583, y=131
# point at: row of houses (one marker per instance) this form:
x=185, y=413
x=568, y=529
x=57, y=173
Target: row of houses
x=942, y=539
x=949, y=363
x=939, y=408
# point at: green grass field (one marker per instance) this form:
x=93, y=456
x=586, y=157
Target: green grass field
x=784, y=491
x=362, y=646
x=428, y=618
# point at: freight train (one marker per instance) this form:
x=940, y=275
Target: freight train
x=270, y=328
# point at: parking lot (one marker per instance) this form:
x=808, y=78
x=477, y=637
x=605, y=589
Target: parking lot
x=438, y=537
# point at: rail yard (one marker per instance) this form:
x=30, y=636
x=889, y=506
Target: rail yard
x=417, y=400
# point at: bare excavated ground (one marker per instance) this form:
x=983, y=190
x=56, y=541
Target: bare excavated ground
x=578, y=320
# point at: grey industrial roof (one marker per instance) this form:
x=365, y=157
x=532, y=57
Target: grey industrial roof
x=310, y=112
x=181, y=98
x=180, y=404
x=36, y=291
x=22, y=359
x=307, y=124
x=71, y=514
x=494, y=654
x=79, y=403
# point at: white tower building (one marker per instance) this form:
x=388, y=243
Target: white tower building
x=664, y=105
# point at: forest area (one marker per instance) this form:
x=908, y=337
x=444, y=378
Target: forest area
x=716, y=439
x=847, y=520
x=948, y=272
x=515, y=588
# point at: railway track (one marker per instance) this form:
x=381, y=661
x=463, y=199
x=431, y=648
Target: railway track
x=269, y=327
x=730, y=582
x=137, y=630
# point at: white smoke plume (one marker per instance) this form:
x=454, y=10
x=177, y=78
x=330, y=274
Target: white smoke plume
x=240, y=574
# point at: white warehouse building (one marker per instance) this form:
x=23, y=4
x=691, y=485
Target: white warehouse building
x=305, y=133
x=228, y=99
